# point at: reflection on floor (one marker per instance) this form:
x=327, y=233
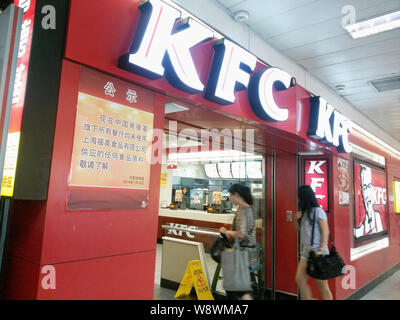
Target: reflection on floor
x=387, y=290
x=167, y=294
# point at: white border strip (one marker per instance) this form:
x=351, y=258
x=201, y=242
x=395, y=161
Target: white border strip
x=357, y=253
x=375, y=138
x=357, y=150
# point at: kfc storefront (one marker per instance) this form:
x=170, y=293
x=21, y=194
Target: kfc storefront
x=141, y=86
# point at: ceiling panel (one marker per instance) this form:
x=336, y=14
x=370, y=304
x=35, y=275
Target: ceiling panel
x=368, y=73
x=230, y=3
x=359, y=64
x=262, y=9
x=377, y=105
x=358, y=81
x=358, y=52
x=337, y=44
x=329, y=28
x=301, y=36
x=310, y=33
x=364, y=89
x=313, y=13
x=373, y=96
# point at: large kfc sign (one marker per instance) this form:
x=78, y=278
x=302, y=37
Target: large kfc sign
x=162, y=47
x=316, y=176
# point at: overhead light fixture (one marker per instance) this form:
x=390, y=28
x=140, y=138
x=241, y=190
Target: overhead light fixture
x=173, y=107
x=373, y=26
x=213, y=156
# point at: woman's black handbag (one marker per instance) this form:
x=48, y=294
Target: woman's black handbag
x=324, y=267
x=219, y=246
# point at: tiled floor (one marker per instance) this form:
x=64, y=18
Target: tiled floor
x=387, y=290
x=166, y=294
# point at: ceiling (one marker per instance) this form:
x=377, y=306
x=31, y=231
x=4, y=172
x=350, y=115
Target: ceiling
x=310, y=33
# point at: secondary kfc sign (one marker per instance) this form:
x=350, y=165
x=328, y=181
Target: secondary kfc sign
x=316, y=176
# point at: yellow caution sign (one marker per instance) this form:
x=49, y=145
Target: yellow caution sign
x=194, y=276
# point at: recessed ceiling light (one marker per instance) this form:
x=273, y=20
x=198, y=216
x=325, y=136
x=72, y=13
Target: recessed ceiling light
x=373, y=26
x=241, y=16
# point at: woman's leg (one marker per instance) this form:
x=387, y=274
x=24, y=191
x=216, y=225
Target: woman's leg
x=323, y=288
x=246, y=296
x=301, y=280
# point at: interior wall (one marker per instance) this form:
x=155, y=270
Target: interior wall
x=286, y=235
x=372, y=265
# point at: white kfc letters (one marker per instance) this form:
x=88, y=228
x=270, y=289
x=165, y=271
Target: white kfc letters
x=162, y=47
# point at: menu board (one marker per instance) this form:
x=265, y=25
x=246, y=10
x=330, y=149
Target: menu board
x=111, y=155
x=211, y=170
x=253, y=170
x=239, y=170
x=178, y=195
x=224, y=170
x=216, y=197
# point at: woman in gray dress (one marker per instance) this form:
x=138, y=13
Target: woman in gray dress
x=244, y=228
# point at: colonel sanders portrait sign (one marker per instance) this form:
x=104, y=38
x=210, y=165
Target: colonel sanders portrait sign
x=370, y=201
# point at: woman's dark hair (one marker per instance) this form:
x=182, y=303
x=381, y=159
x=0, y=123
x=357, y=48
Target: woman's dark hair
x=242, y=191
x=307, y=199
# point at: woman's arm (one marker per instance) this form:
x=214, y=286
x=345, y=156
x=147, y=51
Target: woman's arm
x=297, y=216
x=241, y=223
x=324, y=235
x=233, y=234
x=230, y=233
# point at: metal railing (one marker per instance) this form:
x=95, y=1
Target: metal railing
x=191, y=229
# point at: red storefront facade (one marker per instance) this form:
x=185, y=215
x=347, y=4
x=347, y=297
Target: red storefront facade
x=110, y=254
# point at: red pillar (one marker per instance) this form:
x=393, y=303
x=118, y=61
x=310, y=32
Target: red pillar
x=97, y=254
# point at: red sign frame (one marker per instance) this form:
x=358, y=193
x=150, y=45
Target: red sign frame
x=372, y=192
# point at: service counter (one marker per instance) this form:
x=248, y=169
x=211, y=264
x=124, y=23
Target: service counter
x=194, y=219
